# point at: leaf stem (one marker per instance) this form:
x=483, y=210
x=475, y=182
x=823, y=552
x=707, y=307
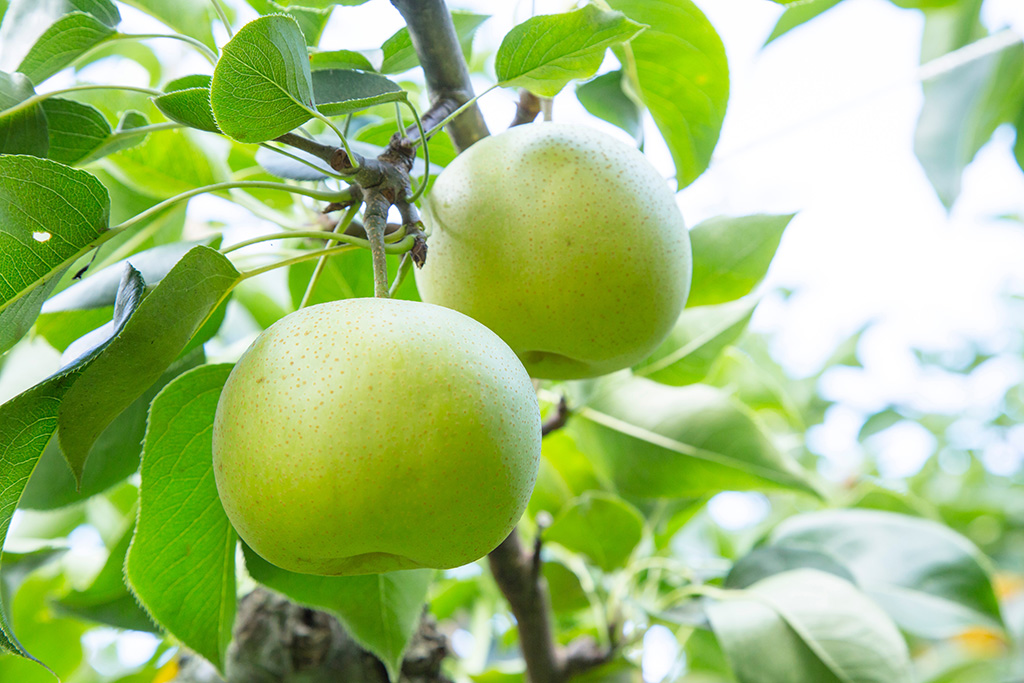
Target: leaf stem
x=390, y=245
x=469, y=103
x=36, y=99
x=299, y=159
x=404, y=266
x=403, y=244
x=151, y=128
x=320, y=253
x=399, y=123
x=695, y=590
x=426, y=155
x=339, y=228
x=322, y=195
x=209, y=54
x=223, y=16
x=344, y=143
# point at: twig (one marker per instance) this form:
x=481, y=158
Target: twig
x=557, y=419
x=527, y=108
x=437, y=113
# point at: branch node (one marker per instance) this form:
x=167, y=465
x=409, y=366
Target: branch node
x=340, y=162
x=527, y=108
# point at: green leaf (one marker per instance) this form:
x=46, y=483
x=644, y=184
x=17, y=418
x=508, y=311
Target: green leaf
x=23, y=132
x=191, y=17
x=761, y=563
x=261, y=85
x=121, y=138
x=311, y=21
x=879, y=422
x=565, y=472
x=760, y=388
x=50, y=215
x=604, y=98
x=932, y=581
x=323, y=3
x=25, y=594
x=564, y=588
x=657, y=441
x=167, y=164
x=187, y=100
x=544, y=53
x=161, y=328
x=114, y=456
x=800, y=13
x=601, y=526
x=66, y=40
x=923, y=4
x=380, y=611
x=1018, y=145
x=17, y=319
x=679, y=70
x=807, y=626
x=106, y=600
x=28, y=421
x=339, y=59
x=27, y=20
x=343, y=91
x=732, y=255
x=698, y=338
x=181, y=563
x=75, y=129
x=100, y=289
x=140, y=53
x=345, y=276
x=962, y=108
x=399, y=54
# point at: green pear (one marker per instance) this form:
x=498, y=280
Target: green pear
x=371, y=435
x=564, y=241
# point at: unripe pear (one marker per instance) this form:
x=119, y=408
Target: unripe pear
x=563, y=240
x=370, y=435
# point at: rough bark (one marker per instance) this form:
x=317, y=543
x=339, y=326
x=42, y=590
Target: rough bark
x=277, y=641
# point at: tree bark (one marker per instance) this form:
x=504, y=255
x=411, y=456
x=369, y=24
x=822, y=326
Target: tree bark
x=437, y=46
x=277, y=641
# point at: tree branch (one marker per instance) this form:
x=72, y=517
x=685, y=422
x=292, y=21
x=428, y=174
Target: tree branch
x=437, y=46
x=557, y=419
x=527, y=108
x=516, y=571
x=317, y=149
